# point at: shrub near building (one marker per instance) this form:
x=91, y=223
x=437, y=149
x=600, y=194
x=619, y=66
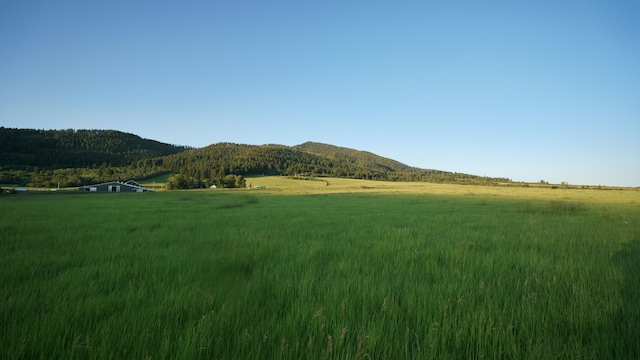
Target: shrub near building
x=180, y=181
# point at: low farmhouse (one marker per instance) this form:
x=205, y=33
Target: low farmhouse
x=115, y=186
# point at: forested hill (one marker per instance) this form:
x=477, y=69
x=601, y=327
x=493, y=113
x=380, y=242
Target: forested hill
x=219, y=160
x=46, y=158
x=51, y=149
x=308, y=159
x=361, y=158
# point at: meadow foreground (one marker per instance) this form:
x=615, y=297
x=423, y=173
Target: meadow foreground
x=360, y=273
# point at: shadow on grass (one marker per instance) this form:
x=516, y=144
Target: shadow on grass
x=627, y=318
x=234, y=202
x=551, y=207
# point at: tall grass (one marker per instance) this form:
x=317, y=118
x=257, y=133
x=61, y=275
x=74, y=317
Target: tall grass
x=225, y=275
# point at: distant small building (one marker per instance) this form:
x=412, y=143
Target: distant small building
x=132, y=182
x=115, y=186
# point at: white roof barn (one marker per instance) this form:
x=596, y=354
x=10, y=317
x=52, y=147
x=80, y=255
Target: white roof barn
x=115, y=186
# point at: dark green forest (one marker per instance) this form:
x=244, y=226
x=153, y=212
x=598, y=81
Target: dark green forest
x=50, y=158
x=53, y=149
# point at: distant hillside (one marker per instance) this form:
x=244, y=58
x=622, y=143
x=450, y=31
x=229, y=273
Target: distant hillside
x=308, y=159
x=51, y=149
x=218, y=160
x=45, y=158
x=360, y=158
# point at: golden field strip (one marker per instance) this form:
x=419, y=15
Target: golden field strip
x=294, y=186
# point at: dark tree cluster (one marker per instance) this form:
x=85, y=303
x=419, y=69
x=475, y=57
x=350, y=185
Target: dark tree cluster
x=53, y=149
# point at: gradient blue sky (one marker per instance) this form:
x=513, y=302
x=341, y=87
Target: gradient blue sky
x=526, y=90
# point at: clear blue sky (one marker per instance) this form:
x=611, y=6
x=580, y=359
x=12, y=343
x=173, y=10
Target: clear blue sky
x=529, y=90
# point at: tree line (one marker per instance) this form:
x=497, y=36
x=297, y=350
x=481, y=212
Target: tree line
x=50, y=158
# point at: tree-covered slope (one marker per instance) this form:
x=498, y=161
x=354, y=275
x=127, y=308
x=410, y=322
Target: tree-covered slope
x=51, y=149
x=361, y=158
x=45, y=158
x=218, y=160
x=308, y=159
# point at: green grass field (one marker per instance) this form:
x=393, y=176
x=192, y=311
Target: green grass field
x=300, y=274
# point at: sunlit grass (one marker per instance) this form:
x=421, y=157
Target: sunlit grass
x=286, y=185
x=245, y=274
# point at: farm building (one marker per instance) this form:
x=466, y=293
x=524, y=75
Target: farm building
x=115, y=186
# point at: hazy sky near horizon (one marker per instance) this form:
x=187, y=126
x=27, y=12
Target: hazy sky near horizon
x=529, y=90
